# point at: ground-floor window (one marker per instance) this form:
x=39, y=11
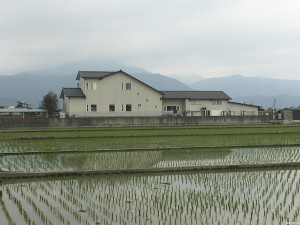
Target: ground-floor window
x=128, y=107
x=171, y=108
x=94, y=108
x=112, y=108
x=204, y=113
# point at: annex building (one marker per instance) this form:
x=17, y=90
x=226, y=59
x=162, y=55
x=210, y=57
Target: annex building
x=118, y=94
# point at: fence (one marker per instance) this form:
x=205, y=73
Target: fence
x=9, y=123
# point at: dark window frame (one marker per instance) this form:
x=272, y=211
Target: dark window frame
x=128, y=108
x=93, y=107
x=112, y=107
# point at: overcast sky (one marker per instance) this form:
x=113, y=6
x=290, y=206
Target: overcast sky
x=206, y=37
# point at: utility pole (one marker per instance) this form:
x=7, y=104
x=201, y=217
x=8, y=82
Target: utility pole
x=274, y=109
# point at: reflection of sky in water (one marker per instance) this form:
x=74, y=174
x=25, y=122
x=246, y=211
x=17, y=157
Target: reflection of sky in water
x=147, y=159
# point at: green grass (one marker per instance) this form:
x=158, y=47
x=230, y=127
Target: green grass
x=146, y=131
x=150, y=137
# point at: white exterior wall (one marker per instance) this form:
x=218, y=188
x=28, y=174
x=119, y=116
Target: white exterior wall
x=241, y=109
x=74, y=106
x=210, y=107
x=180, y=103
x=207, y=107
x=111, y=90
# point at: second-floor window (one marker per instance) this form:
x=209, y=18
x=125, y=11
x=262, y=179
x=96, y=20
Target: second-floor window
x=91, y=86
x=94, y=86
x=217, y=102
x=128, y=86
x=94, y=108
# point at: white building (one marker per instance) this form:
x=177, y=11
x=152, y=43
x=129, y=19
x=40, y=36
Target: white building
x=119, y=94
x=110, y=94
x=204, y=103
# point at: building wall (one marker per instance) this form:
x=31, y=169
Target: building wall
x=76, y=107
x=111, y=93
x=209, y=107
x=296, y=114
x=245, y=110
x=167, y=105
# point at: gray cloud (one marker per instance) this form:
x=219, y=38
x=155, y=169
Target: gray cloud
x=207, y=37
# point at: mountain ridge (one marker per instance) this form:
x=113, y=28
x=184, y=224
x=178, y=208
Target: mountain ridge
x=31, y=86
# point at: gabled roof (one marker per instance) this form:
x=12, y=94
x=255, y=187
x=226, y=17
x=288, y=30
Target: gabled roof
x=202, y=95
x=94, y=74
x=102, y=74
x=72, y=92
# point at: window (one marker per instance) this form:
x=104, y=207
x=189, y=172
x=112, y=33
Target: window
x=87, y=108
x=93, y=108
x=172, y=108
x=139, y=105
x=128, y=107
x=128, y=86
x=195, y=102
x=94, y=86
x=112, y=108
x=87, y=86
x=217, y=102
x=204, y=112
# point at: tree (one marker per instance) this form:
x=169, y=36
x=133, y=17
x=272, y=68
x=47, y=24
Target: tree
x=50, y=102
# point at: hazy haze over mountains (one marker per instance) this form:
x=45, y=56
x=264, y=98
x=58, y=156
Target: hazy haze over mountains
x=255, y=90
x=31, y=86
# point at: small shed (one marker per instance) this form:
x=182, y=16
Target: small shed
x=289, y=114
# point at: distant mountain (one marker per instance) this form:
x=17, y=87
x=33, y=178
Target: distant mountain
x=188, y=78
x=95, y=64
x=238, y=85
x=282, y=101
x=31, y=86
x=255, y=90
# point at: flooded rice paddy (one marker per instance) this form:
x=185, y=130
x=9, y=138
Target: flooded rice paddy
x=244, y=196
x=252, y=197
x=146, y=159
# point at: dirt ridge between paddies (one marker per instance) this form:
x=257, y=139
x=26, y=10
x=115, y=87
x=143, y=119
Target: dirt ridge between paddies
x=138, y=128
x=149, y=170
x=137, y=136
x=146, y=149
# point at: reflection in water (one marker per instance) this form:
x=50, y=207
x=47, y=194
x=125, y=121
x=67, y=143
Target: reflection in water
x=195, y=154
x=147, y=159
x=110, y=161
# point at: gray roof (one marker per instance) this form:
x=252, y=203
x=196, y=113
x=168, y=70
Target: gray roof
x=21, y=110
x=203, y=95
x=242, y=103
x=72, y=92
x=94, y=74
